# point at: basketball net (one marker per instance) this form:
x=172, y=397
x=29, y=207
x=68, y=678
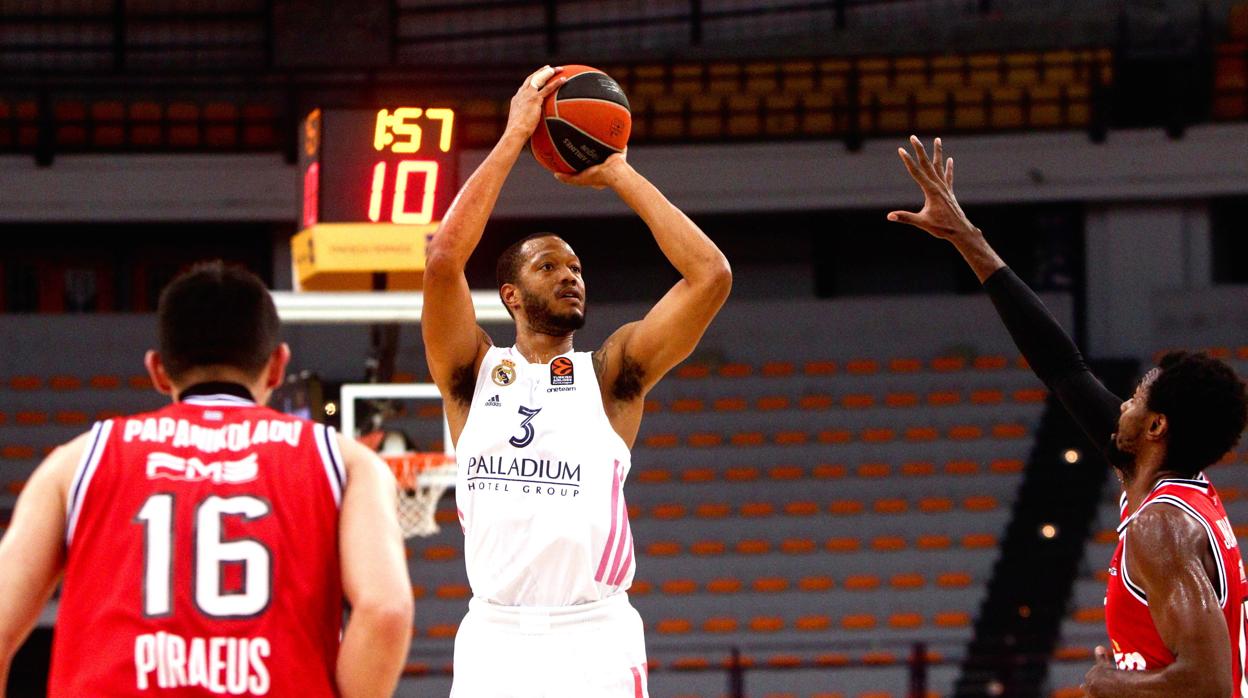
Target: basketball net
x=422, y=478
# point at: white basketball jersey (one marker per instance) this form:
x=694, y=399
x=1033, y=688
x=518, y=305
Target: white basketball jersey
x=540, y=485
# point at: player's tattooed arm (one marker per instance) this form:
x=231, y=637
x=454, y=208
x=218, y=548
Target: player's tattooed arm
x=1171, y=560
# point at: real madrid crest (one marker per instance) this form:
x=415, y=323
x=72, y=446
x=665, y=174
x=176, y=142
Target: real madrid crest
x=504, y=373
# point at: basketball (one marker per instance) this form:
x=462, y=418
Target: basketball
x=583, y=122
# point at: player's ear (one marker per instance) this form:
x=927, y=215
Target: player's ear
x=510, y=294
x=275, y=372
x=156, y=371
x=1158, y=427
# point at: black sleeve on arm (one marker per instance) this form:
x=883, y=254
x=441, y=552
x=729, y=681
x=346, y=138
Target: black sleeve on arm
x=1053, y=356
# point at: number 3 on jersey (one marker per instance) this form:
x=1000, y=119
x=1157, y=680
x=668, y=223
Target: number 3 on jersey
x=525, y=438
x=210, y=553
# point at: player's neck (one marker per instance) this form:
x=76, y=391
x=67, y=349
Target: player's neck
x=1143, y=478
x=218, y=374
x=539, y=348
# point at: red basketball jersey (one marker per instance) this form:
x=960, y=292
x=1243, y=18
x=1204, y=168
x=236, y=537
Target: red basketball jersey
x=202, y=556
x=1137, y=646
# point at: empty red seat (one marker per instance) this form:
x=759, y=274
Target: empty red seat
x=663, y=548
x=693, y=371
x=901, y=399
x=1009, y=431
x=705, y=439
x=905, y=365
x=698, y=475
x=105, y=382
x=778, y=368
x=918, y=468
x=439, y=553
x=820, y=368
x=952, y=619
x=708, y=547
x=771, y=403
x=712, y=511
x=954, y=580
x=64, y=383
x=861, y=582
x=766, y=624
x=687, y=405
x=828, y=471
x=846, y=507
x=26, y=383
x=745, y=473
x=786, y=472
x=945, y=364
x=815, y=583
x=905, y=620
x=757, y=509
x=815, y=402
x=859, y=621
x=673, y=626
x=661, y=440
x=989, y=363
x=679, y=587
x=748, y=438
x=770, y=585
x=654, y=475
x=944, y=397
x=668, y=511
x=862, y=367
x=735, y=370
x=907, y=580
x=720, y=624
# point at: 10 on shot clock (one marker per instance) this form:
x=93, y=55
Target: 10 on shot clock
x=374, y=185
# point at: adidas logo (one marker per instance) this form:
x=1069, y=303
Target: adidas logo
x=494, y=402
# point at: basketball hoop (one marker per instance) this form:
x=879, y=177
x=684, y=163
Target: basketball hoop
x=422, y=478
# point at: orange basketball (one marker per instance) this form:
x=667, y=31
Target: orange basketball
x=583, y=122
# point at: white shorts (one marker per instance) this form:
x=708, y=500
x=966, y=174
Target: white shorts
x=595, y=649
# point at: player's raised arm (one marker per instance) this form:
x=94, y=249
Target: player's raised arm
x=647, y=349
x=1048, y=349
x=32, y=552
x=454, y=344
x=1172, y=561
x=374, y=579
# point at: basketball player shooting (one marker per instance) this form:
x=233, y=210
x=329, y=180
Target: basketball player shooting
x=543, y=432
x=1174, y=606
x=207, y=547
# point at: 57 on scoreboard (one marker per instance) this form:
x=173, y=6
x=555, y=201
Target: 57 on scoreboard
x=397, y=164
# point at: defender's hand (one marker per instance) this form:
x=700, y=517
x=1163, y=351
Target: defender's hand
x=941, y=215
x=526, y=105
x=608, y=174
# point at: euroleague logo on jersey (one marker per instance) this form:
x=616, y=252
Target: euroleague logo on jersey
x=561, y=371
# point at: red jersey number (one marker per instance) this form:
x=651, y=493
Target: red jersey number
x=211, y=554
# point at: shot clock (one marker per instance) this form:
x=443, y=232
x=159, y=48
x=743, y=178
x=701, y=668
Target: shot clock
x=374, y=185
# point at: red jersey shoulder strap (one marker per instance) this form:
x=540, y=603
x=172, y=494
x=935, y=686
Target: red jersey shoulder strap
x=98, y=439
x=331, y=458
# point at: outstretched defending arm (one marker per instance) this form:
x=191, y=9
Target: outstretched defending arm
x=642, y=352
x=454, y=344
x=1048, y=349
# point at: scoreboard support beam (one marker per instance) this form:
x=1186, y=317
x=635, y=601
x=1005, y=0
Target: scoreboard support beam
x=323, y=307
